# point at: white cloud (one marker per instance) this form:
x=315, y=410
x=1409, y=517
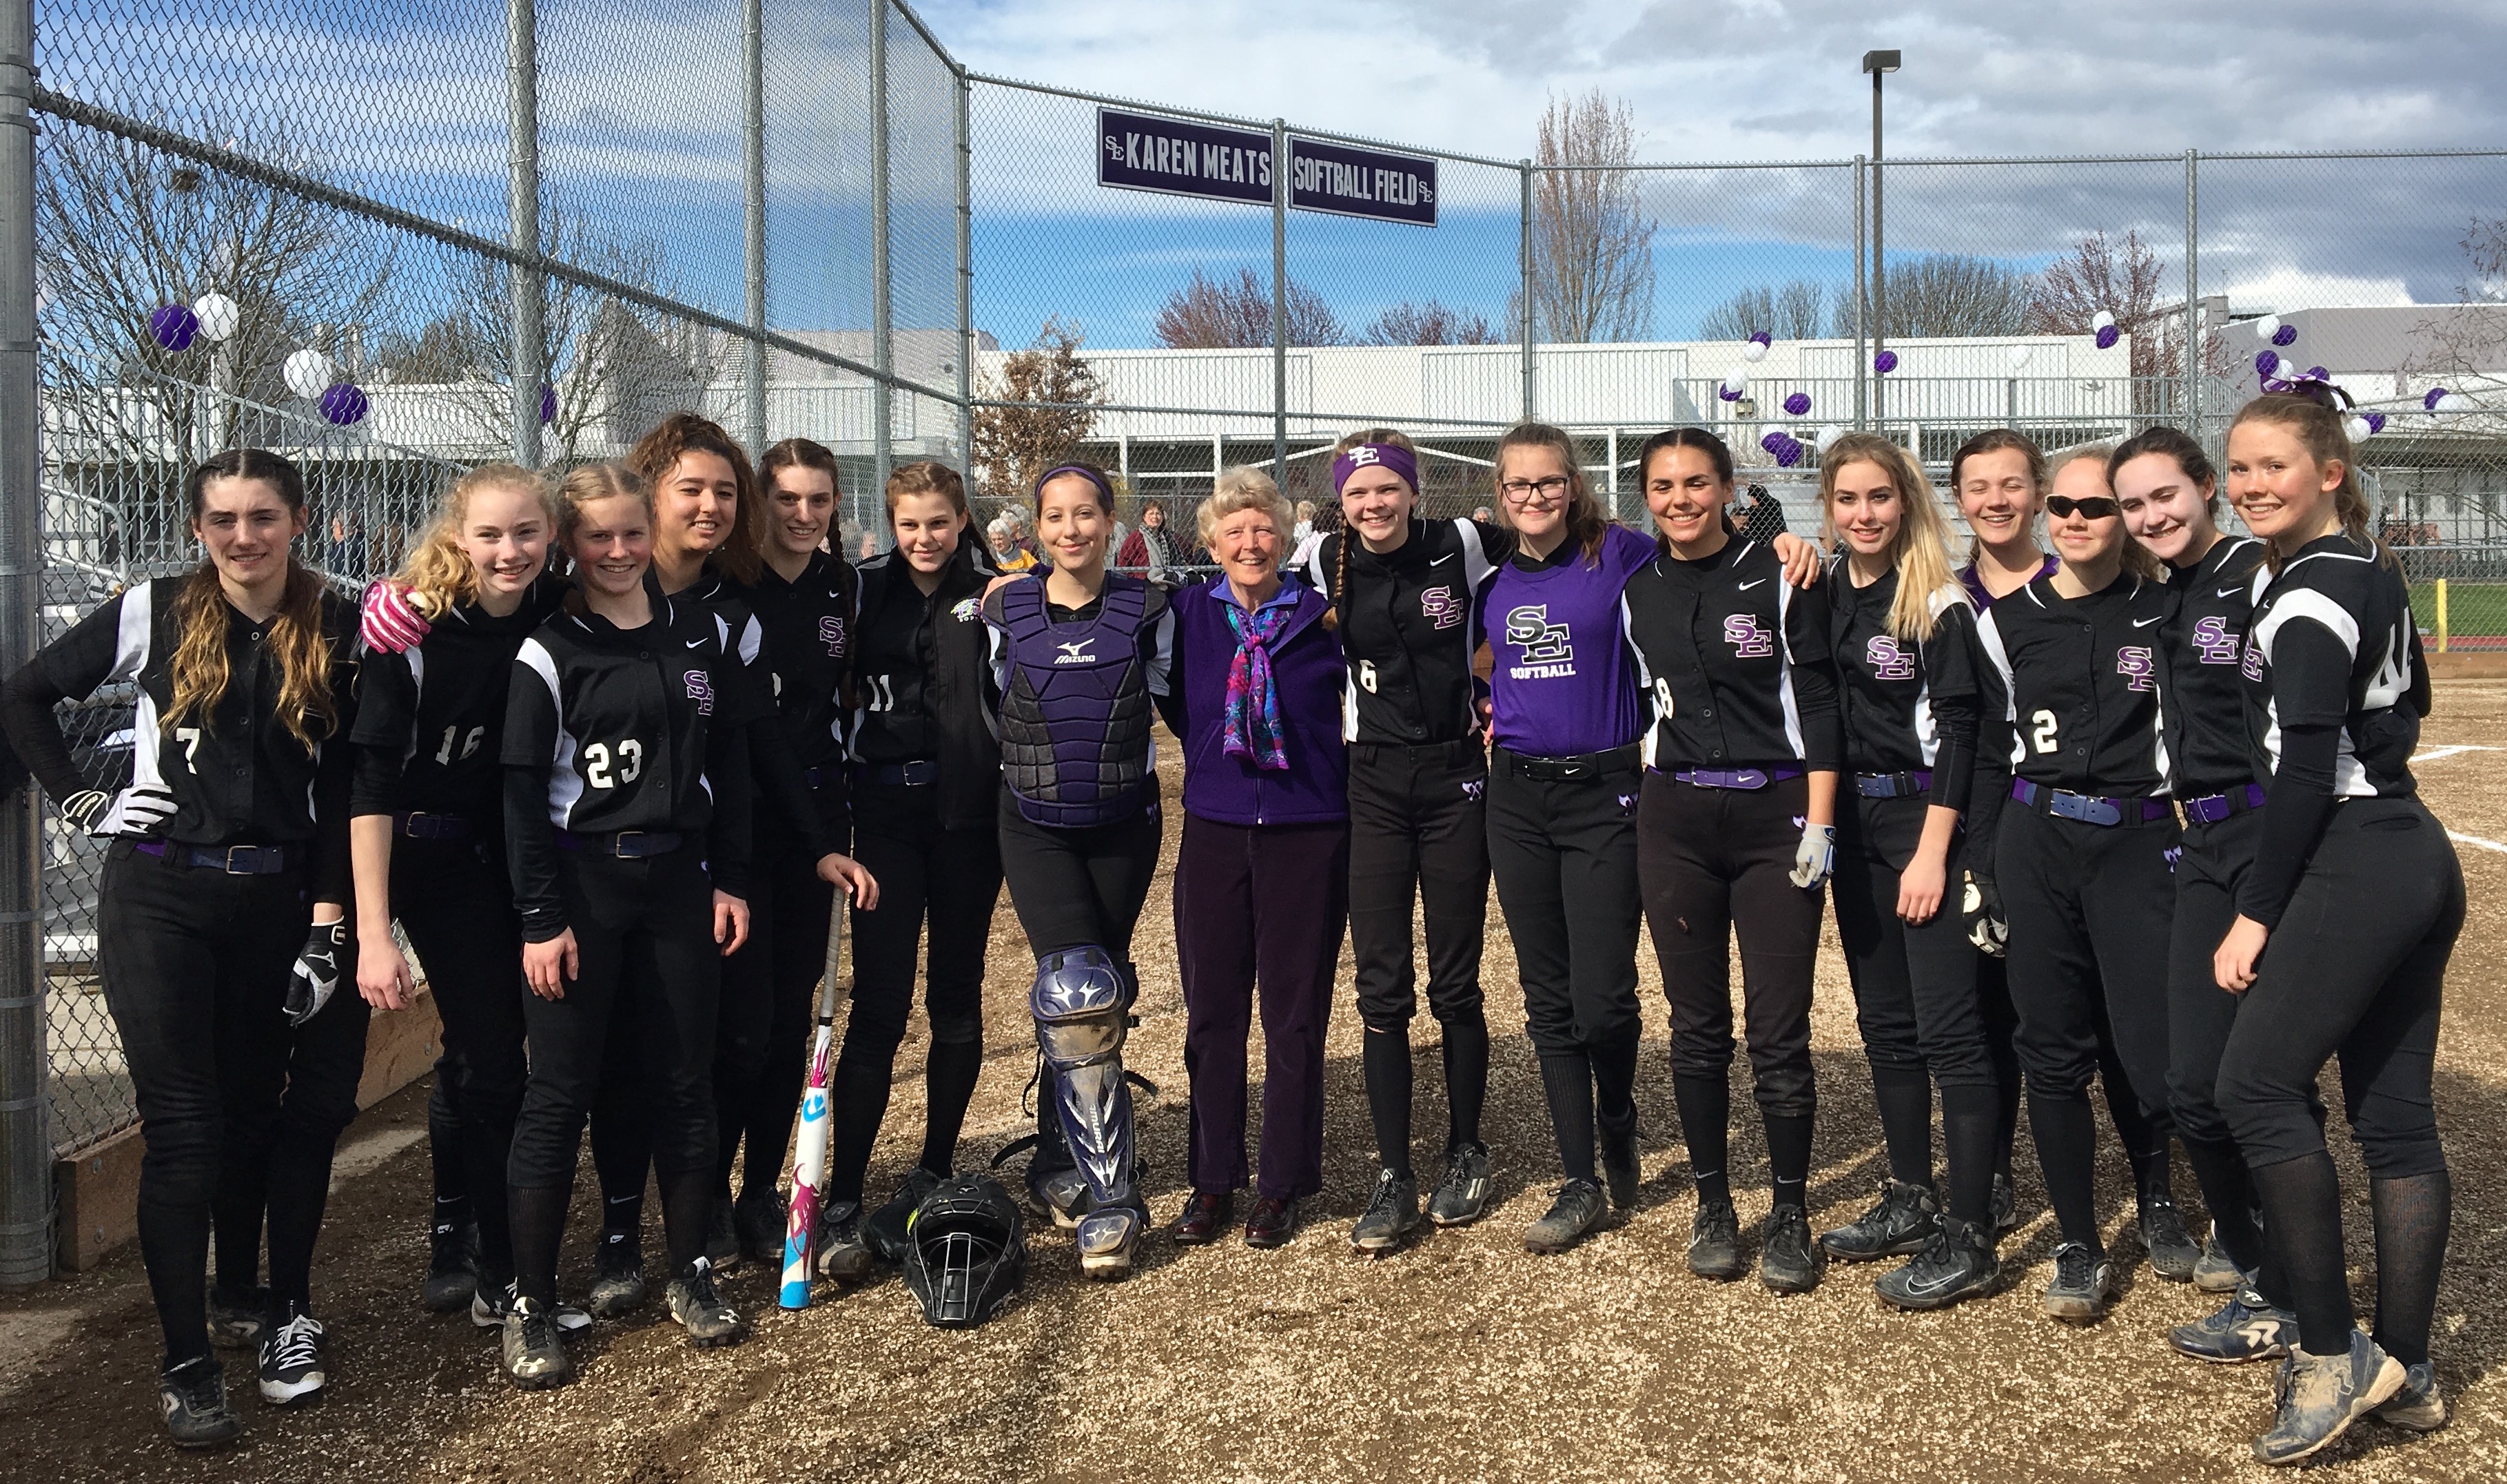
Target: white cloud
x=2289, y=288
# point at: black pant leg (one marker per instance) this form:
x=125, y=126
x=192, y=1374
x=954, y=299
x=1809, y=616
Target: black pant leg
x=2128, y=901
x=804, y=906
x=1384, y=851
x=1525, y=861
x=1688, y=911
x=1777, y=925
x=1452, y=813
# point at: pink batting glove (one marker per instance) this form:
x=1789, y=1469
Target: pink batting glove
x=392, y=622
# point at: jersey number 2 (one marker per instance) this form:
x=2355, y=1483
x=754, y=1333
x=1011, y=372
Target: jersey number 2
x=597, y=760
x=2041, y=733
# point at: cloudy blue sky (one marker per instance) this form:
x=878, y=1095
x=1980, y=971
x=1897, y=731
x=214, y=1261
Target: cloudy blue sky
x=641, y=126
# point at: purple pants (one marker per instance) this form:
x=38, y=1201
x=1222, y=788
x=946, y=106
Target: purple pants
x=1258, y=904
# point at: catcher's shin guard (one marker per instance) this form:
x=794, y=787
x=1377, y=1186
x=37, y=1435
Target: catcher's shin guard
x=1080, y=1003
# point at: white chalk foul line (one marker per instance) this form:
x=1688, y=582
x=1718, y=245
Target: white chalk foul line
x=2440, y=754
x=2488, y=844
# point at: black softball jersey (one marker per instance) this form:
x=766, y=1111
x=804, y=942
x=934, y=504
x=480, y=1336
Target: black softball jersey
x=236, y=774
x=1909, y=706
x=1405, y=629
x=633, y=730
x=922, y=681
x=2081, y=680
x=2203, y=644
x=1735, y=661
x=430, y=729
x=2334, y=689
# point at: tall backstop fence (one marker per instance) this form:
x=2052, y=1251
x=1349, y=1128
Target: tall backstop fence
x=392, y=242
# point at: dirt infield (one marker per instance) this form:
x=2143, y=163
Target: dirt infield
x=1461, y=1359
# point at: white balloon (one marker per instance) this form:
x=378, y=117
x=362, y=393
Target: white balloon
x=2267, y=327
x=218, y=315
x=2020, y=355
x=2358, y=429
x=2455, y=402
x=1755, y=353
x=308, y=372
x=2100, y=320
x=1737, y=378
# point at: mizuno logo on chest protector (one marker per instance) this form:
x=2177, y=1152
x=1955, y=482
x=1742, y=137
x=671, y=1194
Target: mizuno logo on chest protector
x=1076, y=652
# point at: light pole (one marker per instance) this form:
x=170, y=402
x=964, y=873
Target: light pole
x=1878, y=64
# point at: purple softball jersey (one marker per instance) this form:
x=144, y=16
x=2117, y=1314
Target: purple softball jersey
x=1562, y=684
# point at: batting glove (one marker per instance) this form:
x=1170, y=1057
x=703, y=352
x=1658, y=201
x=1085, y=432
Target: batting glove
x=144, y=808
x=81, y=808
x=317, y=971
x=391, y=622
x=1980, y=914
x=1815, y=857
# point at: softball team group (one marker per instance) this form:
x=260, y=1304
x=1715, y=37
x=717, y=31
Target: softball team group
x=2137, y=811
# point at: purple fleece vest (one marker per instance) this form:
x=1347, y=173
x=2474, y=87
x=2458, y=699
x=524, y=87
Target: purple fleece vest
x=1306, y=668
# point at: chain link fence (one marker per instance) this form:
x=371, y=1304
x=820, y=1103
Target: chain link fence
x=396, y=242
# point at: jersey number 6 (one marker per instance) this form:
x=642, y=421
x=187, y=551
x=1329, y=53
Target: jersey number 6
x=597, y=758
x=2041, y=734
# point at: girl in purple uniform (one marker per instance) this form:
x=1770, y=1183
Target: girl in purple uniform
x=1562, y=809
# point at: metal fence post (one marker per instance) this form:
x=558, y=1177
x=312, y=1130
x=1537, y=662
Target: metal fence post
x=883, y=445
x=1524, y=275
x=1862, y=307
x=965, y=273
x=1280, y=300
x=527, y=292
x=1879, y=286
x=753, y=98
x=25, y=1145
x=2193, y=356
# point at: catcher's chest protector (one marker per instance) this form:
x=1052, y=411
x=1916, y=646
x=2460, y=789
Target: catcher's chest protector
x=1076, y=710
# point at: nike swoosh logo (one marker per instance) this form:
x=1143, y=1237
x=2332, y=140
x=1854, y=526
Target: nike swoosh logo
x=2144, y=622
x=696, y=644
x=1441, y=561
x=1747, y=586
x=2229, y=591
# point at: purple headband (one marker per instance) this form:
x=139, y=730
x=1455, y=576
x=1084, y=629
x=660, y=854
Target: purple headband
x=1104, y=491
x=1382, y=455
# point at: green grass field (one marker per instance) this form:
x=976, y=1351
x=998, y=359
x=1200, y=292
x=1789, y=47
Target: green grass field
x=2473, y=610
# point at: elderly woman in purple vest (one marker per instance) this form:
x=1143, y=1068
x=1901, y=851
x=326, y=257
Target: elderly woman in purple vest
x=1072, y=645
x=1249, y=672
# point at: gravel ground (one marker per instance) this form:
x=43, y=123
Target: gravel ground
x=1461, y=1359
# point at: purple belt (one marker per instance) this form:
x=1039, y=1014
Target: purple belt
x=1894, y=786
x=233, y=859
x=2212, y=808
x=1747, y=779
x=2104, y=809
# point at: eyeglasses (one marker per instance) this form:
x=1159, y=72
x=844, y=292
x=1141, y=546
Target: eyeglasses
x=2097, y=507
x=1529, y=491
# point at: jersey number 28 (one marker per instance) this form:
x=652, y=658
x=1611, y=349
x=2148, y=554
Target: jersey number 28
x=597, y=758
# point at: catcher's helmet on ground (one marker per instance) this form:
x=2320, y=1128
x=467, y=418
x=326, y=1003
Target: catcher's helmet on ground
x=965, y=1250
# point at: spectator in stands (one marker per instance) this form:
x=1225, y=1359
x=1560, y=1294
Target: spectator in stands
x=1007, y=554
x=1760, y=515
x=1152, y=550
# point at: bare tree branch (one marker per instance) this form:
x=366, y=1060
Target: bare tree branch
x=1015, y=444
x=1224, y=313
x=1592, y=244
x=1434, y=323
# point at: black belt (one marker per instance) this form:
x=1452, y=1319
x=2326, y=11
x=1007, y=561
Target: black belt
x=233, y=859
x=1459, y=750
x=2212, y=808
x=2104, y=809
x=1894, y=786
x=1571, y=770
x=418, y=825
x=624, y=844
x=1744, y=780
x=917, y=775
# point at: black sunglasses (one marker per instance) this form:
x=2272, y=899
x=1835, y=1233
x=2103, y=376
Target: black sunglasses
x=2097, y=507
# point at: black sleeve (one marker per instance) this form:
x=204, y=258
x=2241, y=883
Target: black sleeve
x=2310, y=681
x=68, y=669
x=1165, y=672
x=374, y=783
x=729, y=768
x=332, y=874
x=1806, y=654
x=531, y=839
x=1992, y=786
x=1949, y=678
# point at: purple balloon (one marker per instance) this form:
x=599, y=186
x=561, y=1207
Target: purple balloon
x=1885, y=362
x=2319, y=373
x=173, y=327
x=1798, y=404
x=1762, y=336
x=2108, y=334
x=342, y=405
x=2435, y=394
x=548, y=403
x=2267, y=362
x=2286, y=335
x=1772, y=439
x=1790, y=455
x=1727, y=393
x=2376, y=422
